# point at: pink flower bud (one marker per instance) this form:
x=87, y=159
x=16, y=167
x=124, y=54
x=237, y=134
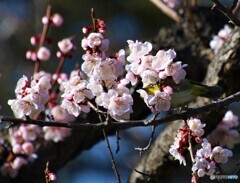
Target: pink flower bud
x=34, y=56
x=59, y=54
x=33, y=40
x=102, y=30
x=17, y=149
x=43, y=54
x=28, y=55
x=28, y=148
x=52, y=176
x=85, y=30
x=45, y=20
x=57, y=20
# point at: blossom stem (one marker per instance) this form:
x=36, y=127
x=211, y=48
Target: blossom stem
x=58, y=71
x=117, y=141
x=43, y=37
x=190, y=149
x=140, y=149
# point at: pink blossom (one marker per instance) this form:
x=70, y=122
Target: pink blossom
x=43, y=53
x=65, y=45
x=72, y=107
x=225, y=134
x=40, y=74
x=61, y=115
x=196, y=126
x=131, y=77
x=138, y=49
x=120, y=107
x=90, y=62
x=174, y=151
x=157, y=103
x=218, y=40
x=220, y=155
x=176, y=71
x=57, y=20
x=163, y=59
x=52, y=176
x=105, y=70
x=28, y=148
x=75, y=95
x=203, y=164
x=160, y=102
x=94, y=40
x=149, y=77
x=21, y=108
x=204, y=167
x=18, y=163
x=29, y=132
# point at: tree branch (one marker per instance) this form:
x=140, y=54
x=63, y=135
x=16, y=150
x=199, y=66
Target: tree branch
x=133, y=123
x=226, y=12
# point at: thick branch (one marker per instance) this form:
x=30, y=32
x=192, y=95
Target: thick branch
x=134, y=123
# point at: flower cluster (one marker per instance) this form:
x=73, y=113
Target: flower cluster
x=194, y=130
x=21, y=140
x=43, y=53
x=31, y=97
x=218, y=40
x=208, y=157
x=225, y=134
x=76, y=94
x=153, y=70
x=105, y=73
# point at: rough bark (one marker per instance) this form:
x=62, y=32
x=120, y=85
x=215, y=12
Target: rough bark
x=223, y=70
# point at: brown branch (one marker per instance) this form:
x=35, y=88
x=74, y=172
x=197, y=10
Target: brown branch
x=227, y=12
x=43, y=37
x=141, y=149
x=133, y=123
x=165, y=9
x=110, y=150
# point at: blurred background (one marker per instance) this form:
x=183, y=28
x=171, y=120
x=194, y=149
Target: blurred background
x=131, y=19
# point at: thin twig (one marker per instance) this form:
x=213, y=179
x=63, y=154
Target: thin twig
x=117, y=141
x=58, y=70
x=165, y=9
x=190, y=149
x=131, y=123
x=150, y=178
x=226, y=12
x=95, y=108
x=110, y=151
x=43, y=37
x=140, y=149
